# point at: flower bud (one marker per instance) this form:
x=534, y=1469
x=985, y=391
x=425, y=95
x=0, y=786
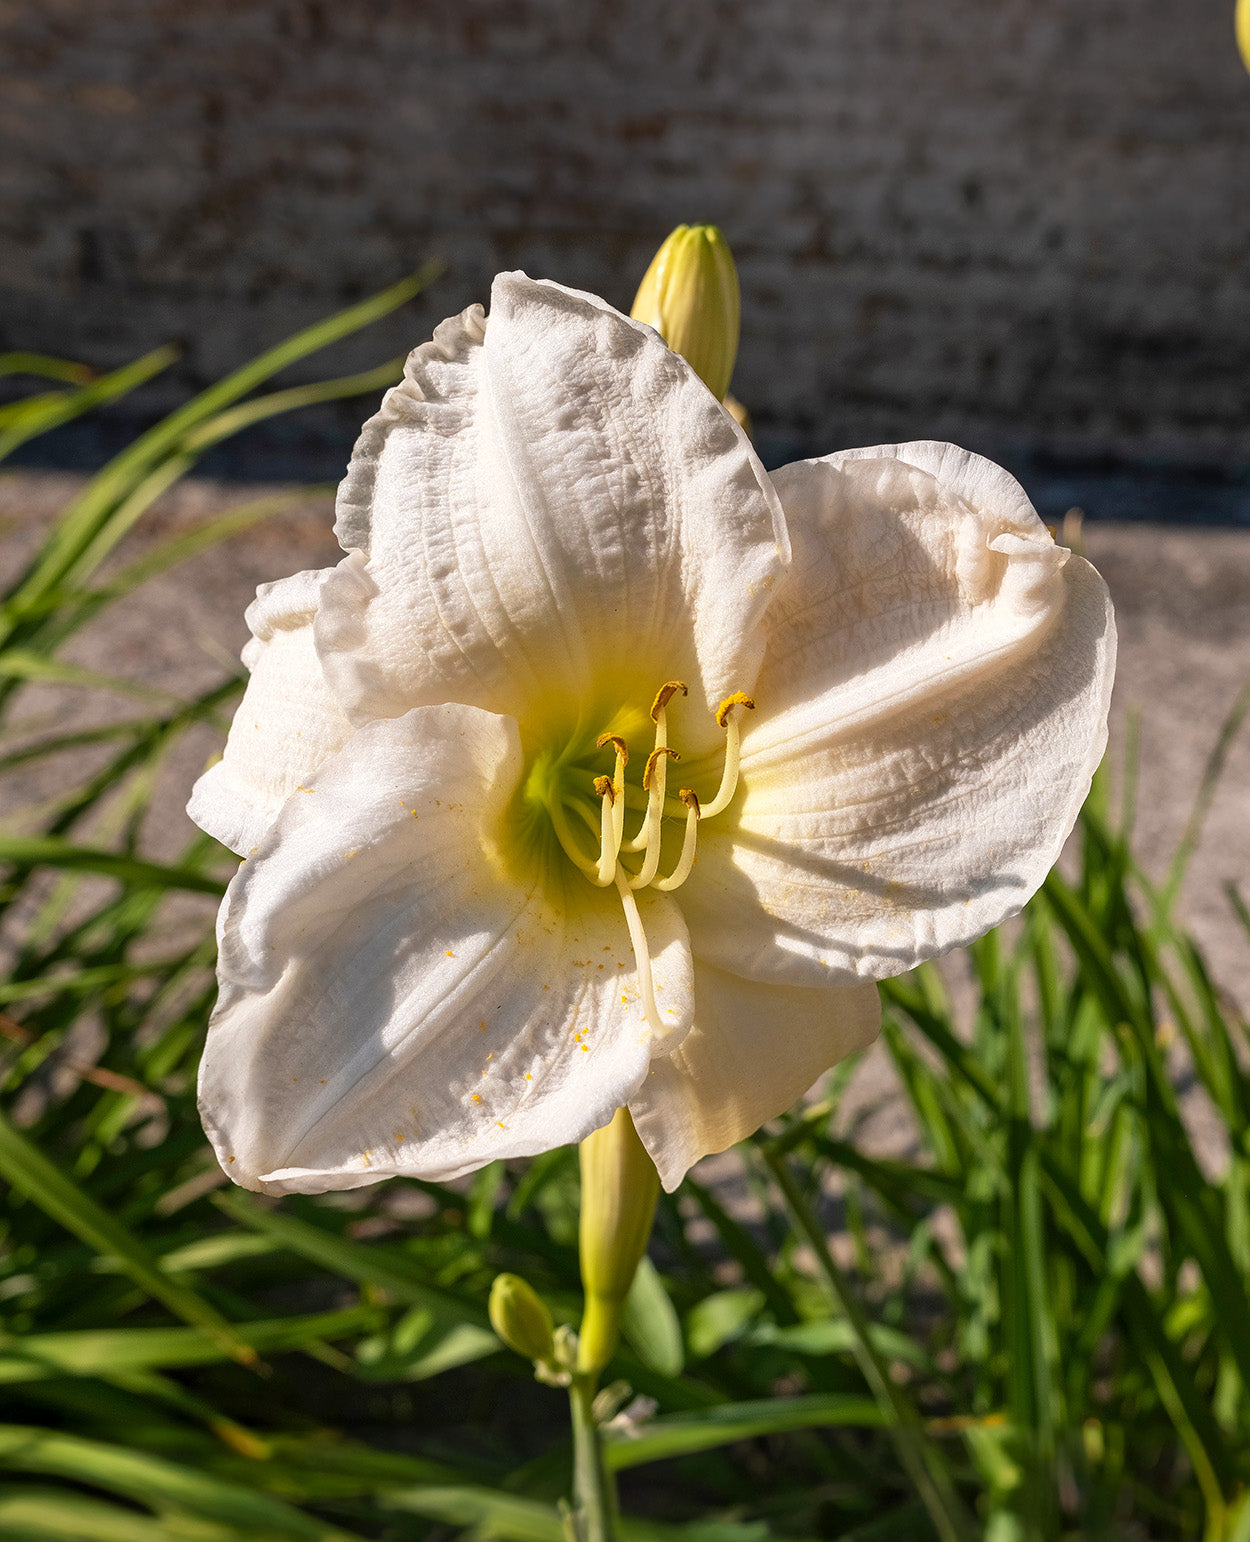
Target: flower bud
x=520, y=1318
x=620, y=1187
x=690, y=296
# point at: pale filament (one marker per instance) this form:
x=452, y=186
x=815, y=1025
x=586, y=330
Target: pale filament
x=686, y=861
x=653, y=780
x=642, y=953
x=639, y=841
x=614, y=795
x=733, y=752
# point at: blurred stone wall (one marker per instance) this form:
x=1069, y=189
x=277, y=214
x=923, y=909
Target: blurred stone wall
x=1001, y=221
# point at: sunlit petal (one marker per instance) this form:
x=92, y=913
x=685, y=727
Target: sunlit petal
x=550, y=508
x=400, y=993
x=287, y=723
x=933, y=705
x=753, y=1051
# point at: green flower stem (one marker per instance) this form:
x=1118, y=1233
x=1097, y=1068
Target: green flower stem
x=922, y=1463
x=594, y=1488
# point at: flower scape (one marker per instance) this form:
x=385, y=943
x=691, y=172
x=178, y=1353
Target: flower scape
x=608, y=770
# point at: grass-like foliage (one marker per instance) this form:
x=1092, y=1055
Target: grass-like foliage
x=1032, y=1324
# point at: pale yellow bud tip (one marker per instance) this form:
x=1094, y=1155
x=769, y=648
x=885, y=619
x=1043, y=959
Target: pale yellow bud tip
x=520, y=1318
x=1243, y=30
x=690, y=296
x=620, y=1187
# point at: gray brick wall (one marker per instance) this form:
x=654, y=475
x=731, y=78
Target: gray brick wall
x=1005, y=221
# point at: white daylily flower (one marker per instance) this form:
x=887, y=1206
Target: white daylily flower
x=473, y=920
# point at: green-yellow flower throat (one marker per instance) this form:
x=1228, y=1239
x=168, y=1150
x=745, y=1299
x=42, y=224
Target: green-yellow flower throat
x=558, y=784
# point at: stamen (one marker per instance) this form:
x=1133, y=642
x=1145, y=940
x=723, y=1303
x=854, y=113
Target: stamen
x=653, y=779
x=738, y=699
x=733, y=742
x=608, y=866
x=609, y=841
x=640, y=839
x=570, y=843
x=686, y=861
x=642, y=954
x=653, y=761
x=664, y=695
x=622, y=749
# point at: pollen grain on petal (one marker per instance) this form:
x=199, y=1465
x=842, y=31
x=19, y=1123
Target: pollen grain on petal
x=738, y=699
x=665, y=694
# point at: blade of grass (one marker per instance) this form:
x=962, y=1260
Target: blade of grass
x=31, y=851
x=922, y=1463
x=32, y=1174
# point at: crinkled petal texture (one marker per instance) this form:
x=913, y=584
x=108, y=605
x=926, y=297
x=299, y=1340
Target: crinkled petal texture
x=397, y=995
x=551, y=515
x=753, y=1051
x=286, y=725
x=933, y=704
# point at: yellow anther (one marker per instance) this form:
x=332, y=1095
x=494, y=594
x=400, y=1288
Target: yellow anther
x=738, y=699
x=603, y=786
x=664, y=695
x=655, y=755
x=690, y=799
x=618, y=744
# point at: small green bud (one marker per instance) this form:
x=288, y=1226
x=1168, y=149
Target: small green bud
x=620, y=1187
x=690, y=296
x=519, y=1317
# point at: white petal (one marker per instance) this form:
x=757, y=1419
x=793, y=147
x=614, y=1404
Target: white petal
x=286, y=725
x=932, y=706
x=752, y=1053
x=552, y=509
x=398, y=996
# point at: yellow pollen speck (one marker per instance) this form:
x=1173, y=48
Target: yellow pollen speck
x=481, y=1027
x=476, y=1099
x=528, y=1078
x=491, y=1056
x=500, y=1123
x=585, y=1049
x=738, y=699
x=415, y=815
x=399, y=1136
x=232, y=1159
x=450, y=954
x=348, y=855
x=322, y=1082
x=295, y=1078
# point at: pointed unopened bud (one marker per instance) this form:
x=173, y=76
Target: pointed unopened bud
x=520, y=1318
x=620, y=1187
x=690, y=296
